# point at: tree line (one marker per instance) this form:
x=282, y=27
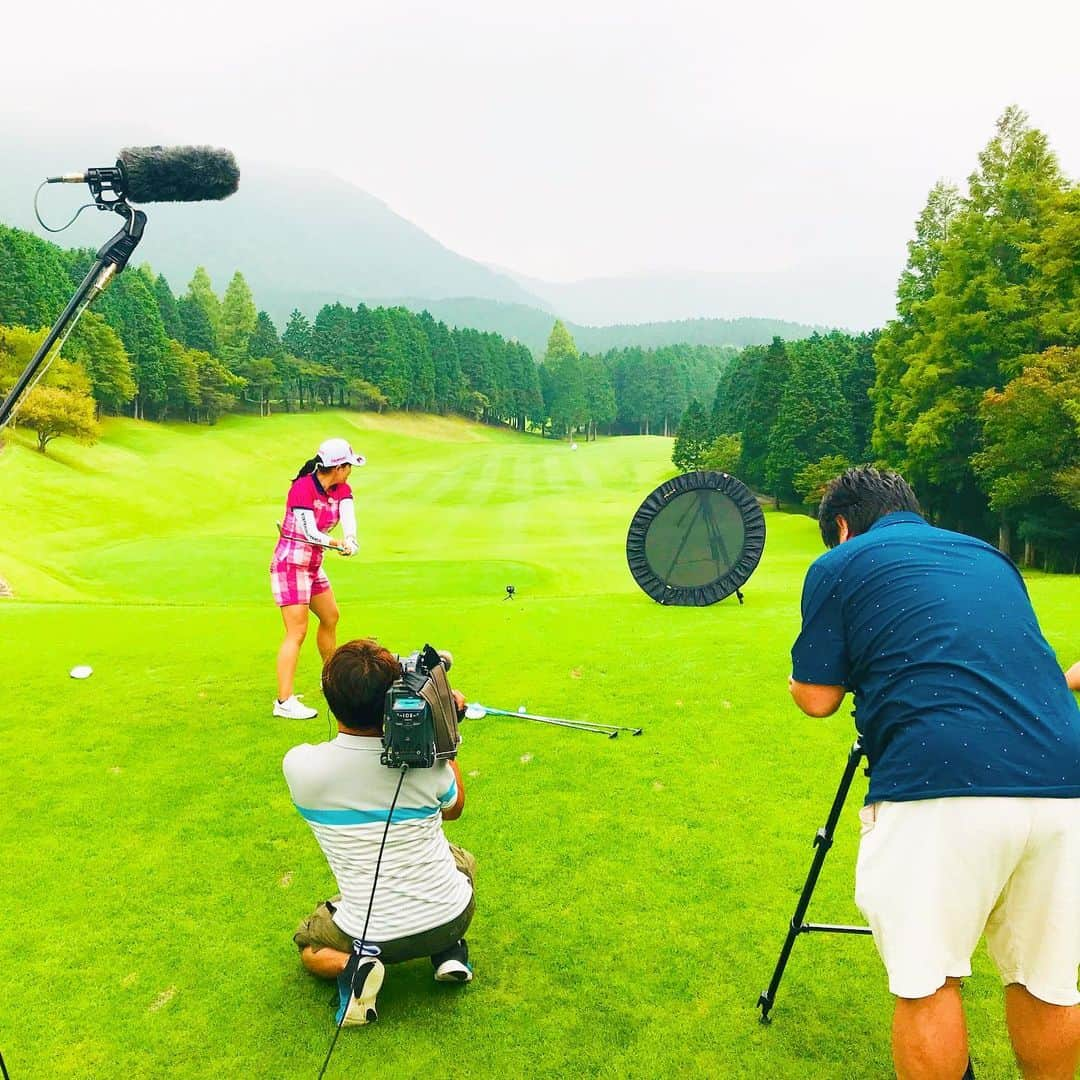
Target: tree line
x=146, y=352
x=785, y=415
x=624, y=391
x=977, y=394
x=972, y=391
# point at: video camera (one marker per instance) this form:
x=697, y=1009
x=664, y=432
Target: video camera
x=420, y=715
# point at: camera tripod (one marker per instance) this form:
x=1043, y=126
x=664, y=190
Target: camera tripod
x=822, y=842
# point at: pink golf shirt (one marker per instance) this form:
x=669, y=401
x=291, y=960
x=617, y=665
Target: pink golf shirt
x=307, y=493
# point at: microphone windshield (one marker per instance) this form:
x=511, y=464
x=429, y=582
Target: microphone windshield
x=178, y=173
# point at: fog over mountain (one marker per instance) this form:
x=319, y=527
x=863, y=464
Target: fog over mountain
x=303, y=238
x=857, y=293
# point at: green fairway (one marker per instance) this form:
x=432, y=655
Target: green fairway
x=632, y=895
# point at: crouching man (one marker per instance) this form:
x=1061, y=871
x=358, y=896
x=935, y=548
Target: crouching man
x=423, y=902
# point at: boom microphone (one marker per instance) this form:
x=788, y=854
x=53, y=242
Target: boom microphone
x=164, y=174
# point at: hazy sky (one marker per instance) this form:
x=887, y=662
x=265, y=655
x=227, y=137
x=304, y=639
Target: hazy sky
x=567, y=140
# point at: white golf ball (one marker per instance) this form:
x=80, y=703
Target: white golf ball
x=521, y=708
x=82, y=671
x=573, y=446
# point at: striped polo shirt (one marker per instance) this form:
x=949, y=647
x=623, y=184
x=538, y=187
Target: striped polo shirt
x=344, y=794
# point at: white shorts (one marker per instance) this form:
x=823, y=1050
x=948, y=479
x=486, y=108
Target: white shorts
x=935, y=874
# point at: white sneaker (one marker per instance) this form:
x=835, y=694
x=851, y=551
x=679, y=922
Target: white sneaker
x=453, y=971
x=356, y=1002
x=452, y=965
x=292, y=709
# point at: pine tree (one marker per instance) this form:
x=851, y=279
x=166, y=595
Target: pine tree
x=98, y=348
x=298, y=337
x=691, y=439
x=813, y=419
x=964, y=329
x=200, y=294
x=567, y=406
x=762, y=406
x=35, y=279
x=167, y=306
x=130, y=308
x=238, y=320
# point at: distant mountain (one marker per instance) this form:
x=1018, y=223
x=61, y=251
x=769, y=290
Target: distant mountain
x=306, y=238
x=532, y=326
x=299, y=237
x=856, y=293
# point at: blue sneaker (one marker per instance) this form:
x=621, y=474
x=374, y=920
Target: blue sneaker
x=357, y=986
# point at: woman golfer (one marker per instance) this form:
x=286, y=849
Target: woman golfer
x=319, y=498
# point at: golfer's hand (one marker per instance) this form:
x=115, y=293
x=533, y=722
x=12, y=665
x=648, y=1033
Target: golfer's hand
x=459, y=700
x=349, y=547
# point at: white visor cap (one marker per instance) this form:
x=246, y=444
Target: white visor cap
x=334, y=452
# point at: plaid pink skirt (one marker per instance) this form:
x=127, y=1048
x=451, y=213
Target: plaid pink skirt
x=294, y=584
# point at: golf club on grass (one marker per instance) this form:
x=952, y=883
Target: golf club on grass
x=475, y=711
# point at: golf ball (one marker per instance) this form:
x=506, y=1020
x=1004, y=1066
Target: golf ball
x=521, y=708
x=82, y=671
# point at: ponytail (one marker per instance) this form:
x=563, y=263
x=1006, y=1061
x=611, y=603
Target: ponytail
x=307, y=468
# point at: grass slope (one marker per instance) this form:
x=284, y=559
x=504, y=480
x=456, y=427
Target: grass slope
x=632, y=894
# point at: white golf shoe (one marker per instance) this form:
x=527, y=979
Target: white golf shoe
x=292, y=709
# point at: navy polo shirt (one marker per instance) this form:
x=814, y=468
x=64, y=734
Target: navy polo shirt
x=956, y=690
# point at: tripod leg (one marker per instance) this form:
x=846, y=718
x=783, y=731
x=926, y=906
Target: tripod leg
x=716, y=540
x=822, y=842
x=686, y=536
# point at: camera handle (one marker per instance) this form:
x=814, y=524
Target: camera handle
x=822, y=842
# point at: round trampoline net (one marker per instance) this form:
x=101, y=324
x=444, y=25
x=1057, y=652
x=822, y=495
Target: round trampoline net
x=696, y=539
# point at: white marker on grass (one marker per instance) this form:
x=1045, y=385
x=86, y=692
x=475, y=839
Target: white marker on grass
x=82, y=671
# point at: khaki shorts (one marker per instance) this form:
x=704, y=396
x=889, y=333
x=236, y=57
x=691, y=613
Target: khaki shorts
x=319, y=931
x=934, y=875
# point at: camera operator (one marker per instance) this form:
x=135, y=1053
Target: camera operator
x=423, y=902
x=972, y=820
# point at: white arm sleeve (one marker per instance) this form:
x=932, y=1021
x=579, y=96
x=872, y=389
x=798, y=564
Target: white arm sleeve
x=348, y=519
x=306, y=520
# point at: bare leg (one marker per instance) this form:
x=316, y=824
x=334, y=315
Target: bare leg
x=325, y=607
x=295, y=617
x=1045, y=1037
x=929, y=1036
x=327, y=963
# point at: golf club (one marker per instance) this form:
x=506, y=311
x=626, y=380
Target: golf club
x=302, y=539
x=475, y=711
x=576, y=723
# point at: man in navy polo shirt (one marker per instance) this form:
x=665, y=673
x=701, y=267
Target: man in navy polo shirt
x=972, y=820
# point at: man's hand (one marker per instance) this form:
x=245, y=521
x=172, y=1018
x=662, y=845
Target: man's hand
x=814, y=699
x=459, y=701
x=1072, y=676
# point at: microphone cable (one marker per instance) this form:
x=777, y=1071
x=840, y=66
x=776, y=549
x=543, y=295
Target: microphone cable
x=363, y=937
x=48, y=228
